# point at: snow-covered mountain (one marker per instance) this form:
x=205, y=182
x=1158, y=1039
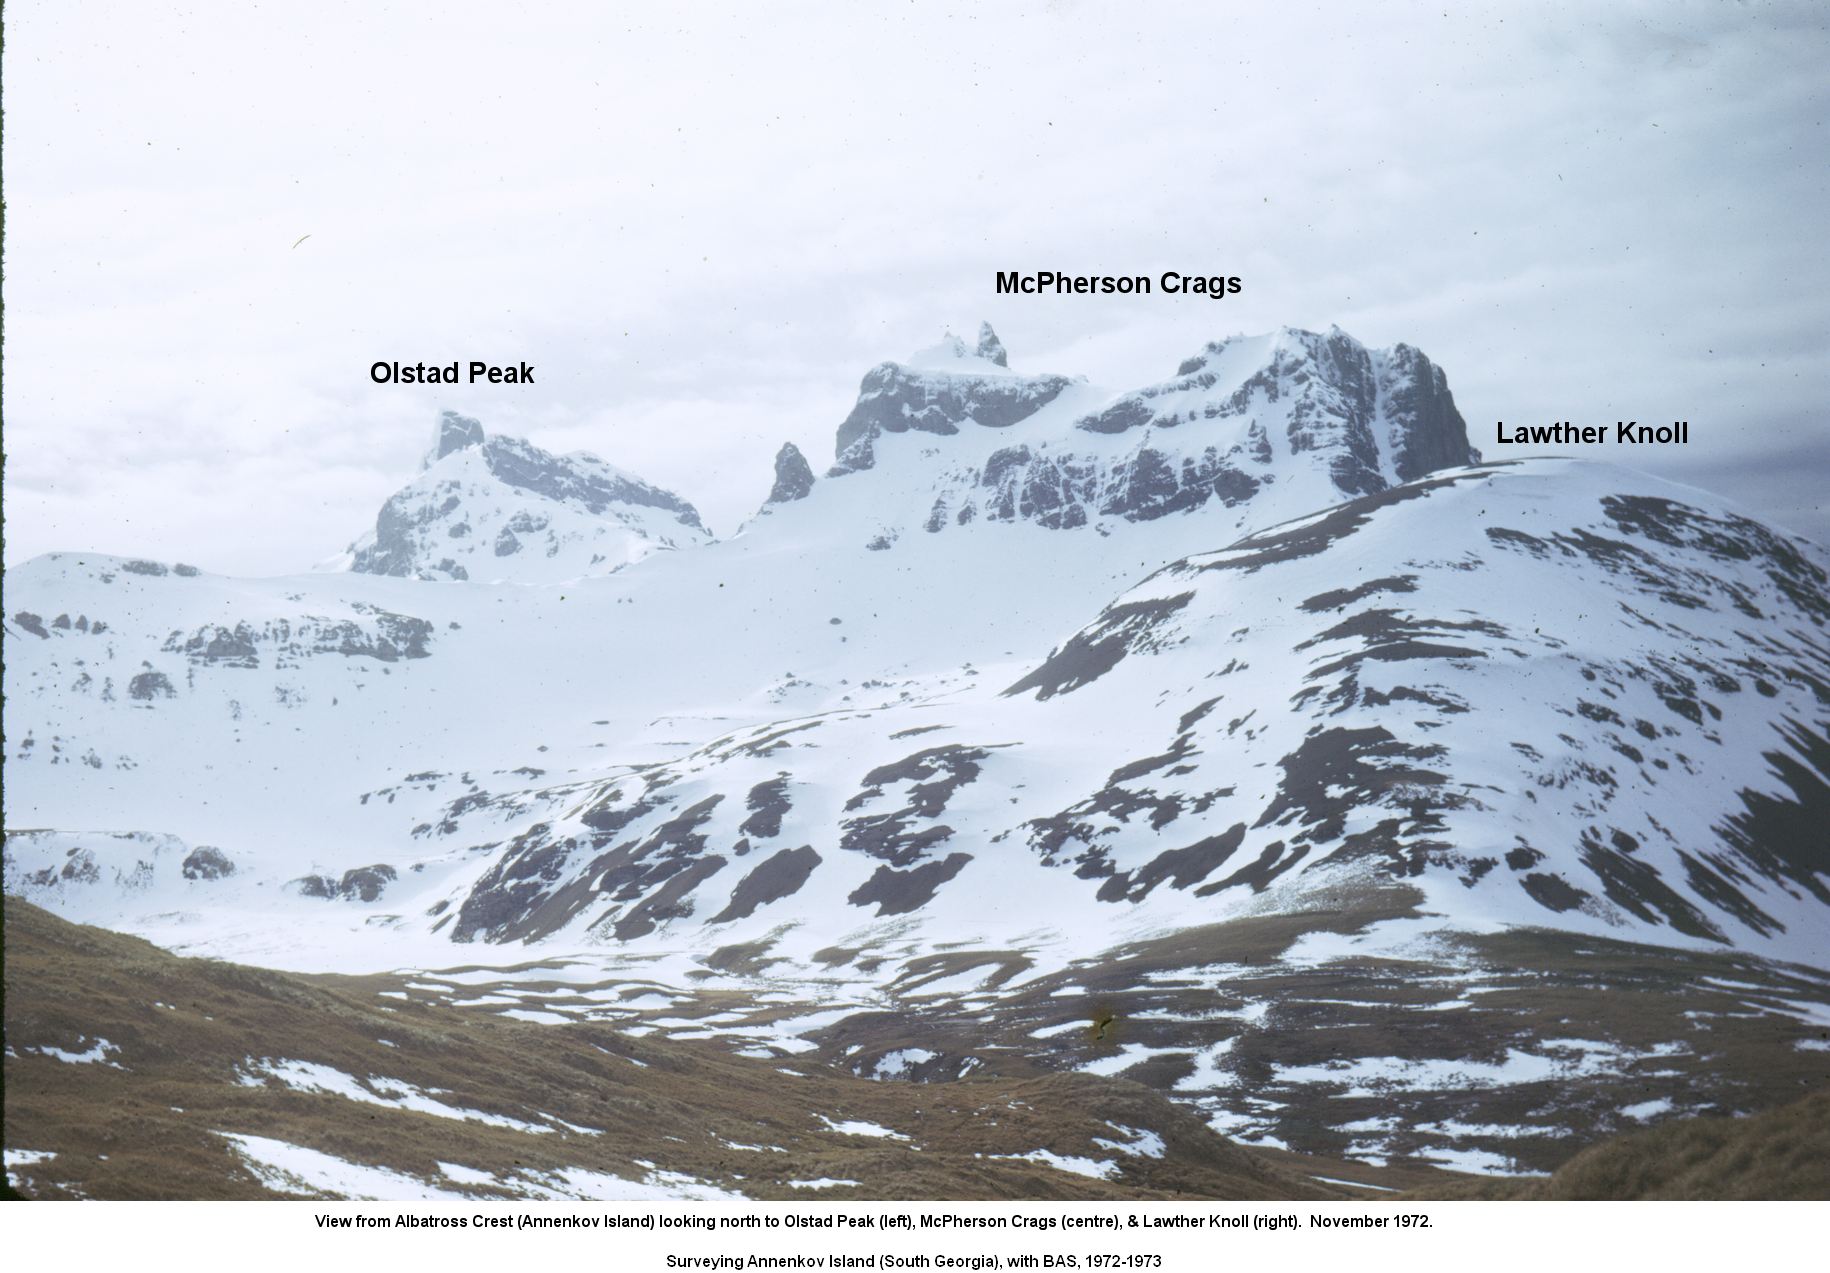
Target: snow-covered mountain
x=499, y=509
x=1290, y=420
x=1555, y=693
x=1551, y=693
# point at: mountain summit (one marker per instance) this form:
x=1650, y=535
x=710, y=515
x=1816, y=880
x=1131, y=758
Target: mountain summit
x=499, y=508
x=939, y=390
x=1264, y=426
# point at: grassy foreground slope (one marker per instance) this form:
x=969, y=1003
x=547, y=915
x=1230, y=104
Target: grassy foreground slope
x=134, y=1073
x=131, y=1073
x=1780, y=1155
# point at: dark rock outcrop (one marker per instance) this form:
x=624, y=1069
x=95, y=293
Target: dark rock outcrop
x=361, y=884
x=990, y=348
x=454, y=432
x=894, y=398
x=206, y=862
x=793, y=476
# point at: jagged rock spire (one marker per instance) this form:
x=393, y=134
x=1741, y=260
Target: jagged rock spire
x=990, y=347
x=453, y=432
x=793, y=476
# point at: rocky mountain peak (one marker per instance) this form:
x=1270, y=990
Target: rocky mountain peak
x=793, y=476
x=1372, y=417
x=990, y=348
x=938, y=390
x=956, y=355
x=453, y=432
x=493, y=507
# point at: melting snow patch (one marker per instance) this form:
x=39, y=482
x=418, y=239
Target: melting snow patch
x=1353, y=1184
x=309, y=1076
x=1370, y=1075
x=25, y=1158
x=1064, y=1162
x=486, y=976
x=96, y=1052
x=465, y=1175
x=1452, y=1128
x=1476, y=1162
x=1647, y=1109
x=1129, y=1055
x=1810, y=1013
x=1141, y=1143
x=958, y=983
x=824, y=1182
x=538, y=1018
x=858, y=1127
x=1233, y=1124
x=577, y=1184
x=893, y=1065
x=656, y=1186
x=287, y=1168
x=1208, y=1074
x=573, y=1127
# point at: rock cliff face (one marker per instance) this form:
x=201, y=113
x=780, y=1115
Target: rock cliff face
x=500, y=508
x=1260, y=426
x=940, y=391
x=1317, y=410
x=793, y=476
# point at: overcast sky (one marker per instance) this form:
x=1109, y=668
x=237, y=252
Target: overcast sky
x=703, y=226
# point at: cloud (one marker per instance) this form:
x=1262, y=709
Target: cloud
x=704, y=225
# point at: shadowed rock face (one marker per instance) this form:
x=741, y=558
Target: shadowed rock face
x=894, y=398
x=1061, y=492
x=1243, y=414
x=526, y=467
x=1427, y=431
x=793, y=476
x=454, y=433
x=990, y=348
